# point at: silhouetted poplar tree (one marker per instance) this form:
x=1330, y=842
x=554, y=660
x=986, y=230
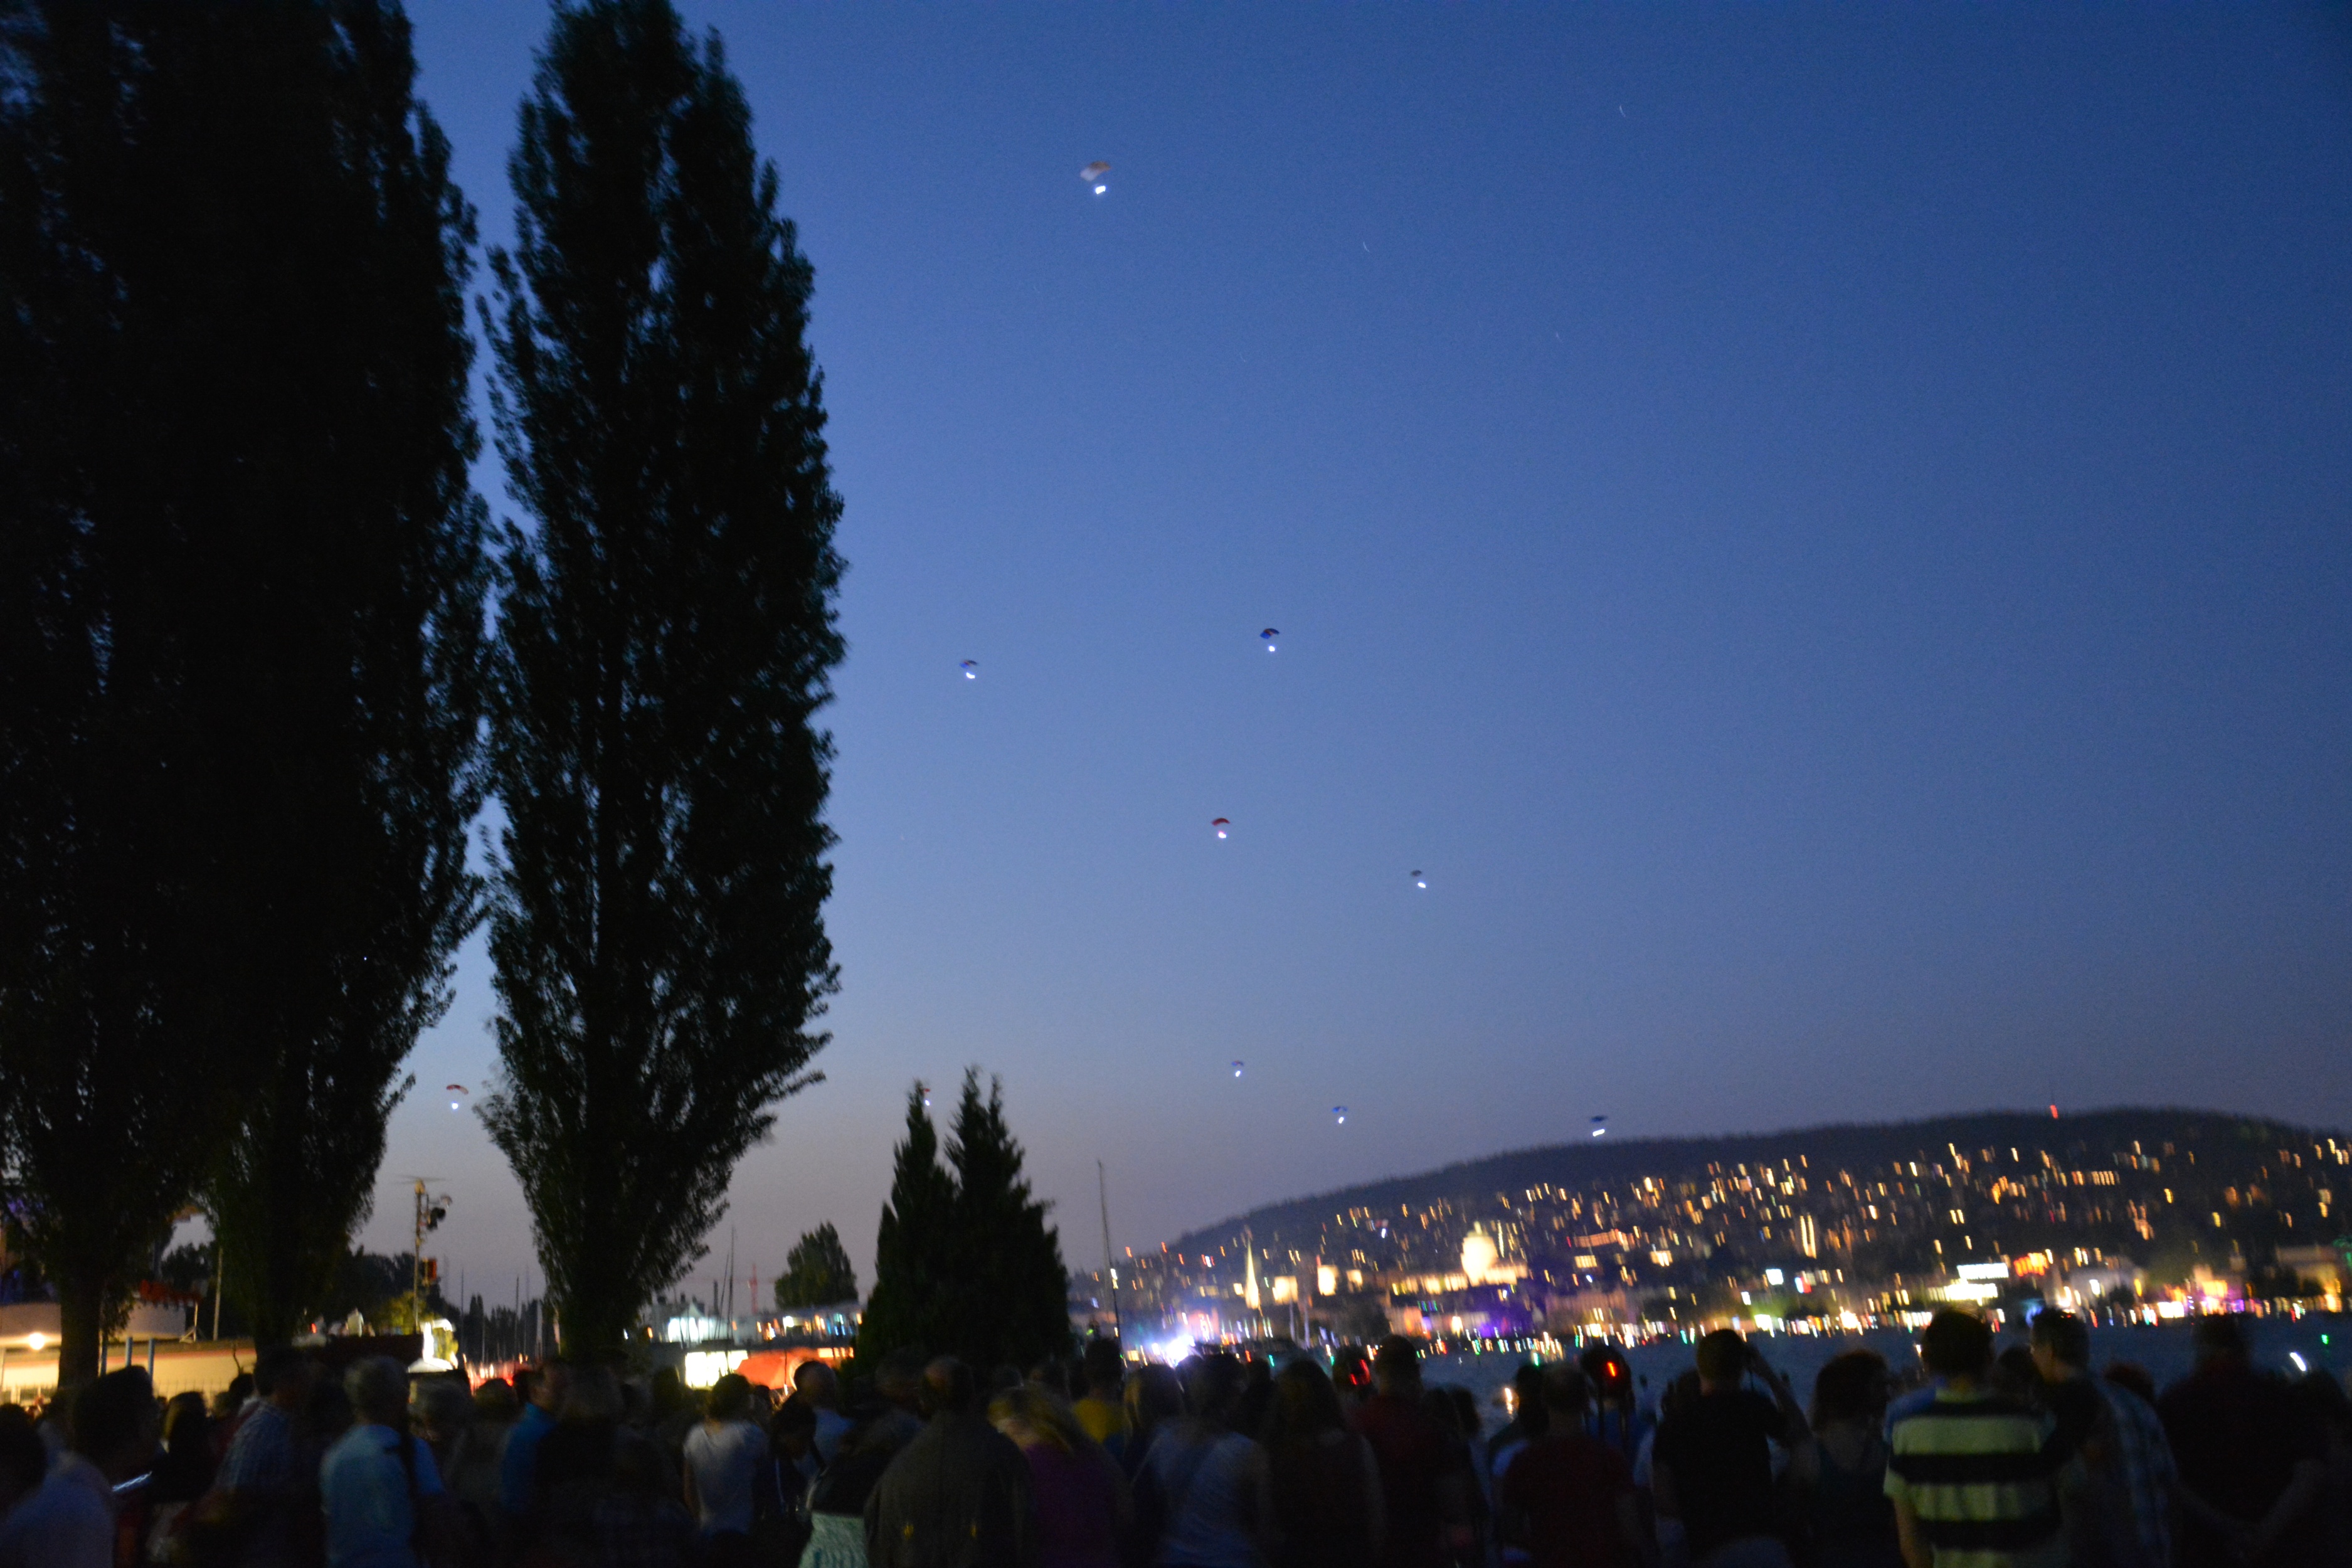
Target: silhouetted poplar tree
x=361, y=879
x=964, y=1262
x=664, y=637
x=240, y=597
x=818, y=1273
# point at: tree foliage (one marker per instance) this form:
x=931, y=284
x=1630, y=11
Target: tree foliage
x=911, y=1245
x=818, y=1273
x=367, y=890
x=240, y=588
x=664, y=637
x=965, y=1263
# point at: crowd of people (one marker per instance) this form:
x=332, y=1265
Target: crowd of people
x=2022, y=1458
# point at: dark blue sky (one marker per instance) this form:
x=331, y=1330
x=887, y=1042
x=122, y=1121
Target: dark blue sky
x=1823, y=533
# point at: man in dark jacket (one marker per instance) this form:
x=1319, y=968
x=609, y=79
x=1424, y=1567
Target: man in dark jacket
x=956, y=1497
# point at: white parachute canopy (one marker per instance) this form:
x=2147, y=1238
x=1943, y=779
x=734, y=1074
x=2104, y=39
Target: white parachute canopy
x=1098, y=175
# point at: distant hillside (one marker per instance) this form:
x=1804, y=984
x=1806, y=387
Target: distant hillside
x=2200, y=1178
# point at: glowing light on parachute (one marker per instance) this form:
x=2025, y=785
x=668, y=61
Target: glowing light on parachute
x=1219, y=823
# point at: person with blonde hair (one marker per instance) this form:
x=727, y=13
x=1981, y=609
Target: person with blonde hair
x=1080, y=1495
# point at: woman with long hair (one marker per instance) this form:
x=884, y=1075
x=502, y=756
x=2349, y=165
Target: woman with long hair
x=1324, y=1480
x=1080, y=1495
x=1839, y=1473
x=1153, y=1398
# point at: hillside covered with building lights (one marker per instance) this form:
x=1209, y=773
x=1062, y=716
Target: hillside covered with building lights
x=2113, y=1207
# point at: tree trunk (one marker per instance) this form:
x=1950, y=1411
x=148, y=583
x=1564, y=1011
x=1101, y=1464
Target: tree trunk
x=81, y=1327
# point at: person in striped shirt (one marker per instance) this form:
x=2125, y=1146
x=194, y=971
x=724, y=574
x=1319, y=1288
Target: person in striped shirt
x=1971, y=1474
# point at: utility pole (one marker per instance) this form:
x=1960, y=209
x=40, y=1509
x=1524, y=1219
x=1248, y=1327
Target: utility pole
x=1110, y=1270
x=430, y=1212
x=417, y=1265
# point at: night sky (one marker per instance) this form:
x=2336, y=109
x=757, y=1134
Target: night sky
x=1822, y=534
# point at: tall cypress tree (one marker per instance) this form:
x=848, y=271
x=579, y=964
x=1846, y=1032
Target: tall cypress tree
x=1010, y=1292
x=239, y=588
x=912, y=1247
x=664, y=639
x=964, y=1263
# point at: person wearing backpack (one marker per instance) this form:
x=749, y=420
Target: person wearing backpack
x=386, y=1507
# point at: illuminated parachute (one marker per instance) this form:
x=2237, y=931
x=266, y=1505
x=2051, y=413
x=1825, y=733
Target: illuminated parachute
x=1237, y=1069
x=1340, y=1111
x=456, y=1093
x=1096, y=174
x=970, y=669
x=1267, y=636
x=1418, y=880
x=1600, y=1125
x=1219, y=823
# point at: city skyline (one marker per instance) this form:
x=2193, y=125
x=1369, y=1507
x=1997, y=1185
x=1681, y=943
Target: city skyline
x=1822, y=544
x=2152, y=1204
